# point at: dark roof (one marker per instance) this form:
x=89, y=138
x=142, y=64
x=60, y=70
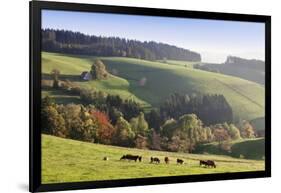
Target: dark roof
x=84, y=73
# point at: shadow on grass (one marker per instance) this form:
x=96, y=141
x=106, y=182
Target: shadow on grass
x=72, y=78
x=63, y=97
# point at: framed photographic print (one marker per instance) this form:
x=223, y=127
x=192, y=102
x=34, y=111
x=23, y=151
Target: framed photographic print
x=126, y=96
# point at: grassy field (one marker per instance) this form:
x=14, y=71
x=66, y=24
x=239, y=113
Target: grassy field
x=65, y=160
x=248, y=148
x=180, y=63
x=72, y=66
x=160, y=80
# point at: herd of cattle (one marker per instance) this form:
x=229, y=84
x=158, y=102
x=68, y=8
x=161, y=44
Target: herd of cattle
x=206, y=163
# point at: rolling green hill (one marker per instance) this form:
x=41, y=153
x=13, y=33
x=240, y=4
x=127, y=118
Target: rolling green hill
x=159, y=80
x=188, y=64
x=71, y=67
x=65, y=160
x=252, y=70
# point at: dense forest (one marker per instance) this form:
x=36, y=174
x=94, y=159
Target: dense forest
x=211, y=109
x=69, y=42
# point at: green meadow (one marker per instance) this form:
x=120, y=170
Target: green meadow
x=65, y=160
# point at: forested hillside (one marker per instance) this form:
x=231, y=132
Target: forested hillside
x=69, y=42
x=253, y=70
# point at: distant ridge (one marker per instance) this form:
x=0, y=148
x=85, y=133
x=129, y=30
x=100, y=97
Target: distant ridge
x=70, y=42
x=245, y=63
x=249, y=69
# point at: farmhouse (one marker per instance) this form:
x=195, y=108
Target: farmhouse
x=86, y=75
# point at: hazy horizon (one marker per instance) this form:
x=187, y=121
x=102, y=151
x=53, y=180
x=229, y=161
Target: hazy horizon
x=213, y=39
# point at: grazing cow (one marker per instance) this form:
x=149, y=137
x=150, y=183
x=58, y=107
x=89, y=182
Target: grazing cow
x=166, y=160
x=203, y=163
x=105, y=158
x=211, y=163
x=123, y=157
x=140, y=158
x=207, y=163
x=130, y=157
x=155, y=160
x=180, y=161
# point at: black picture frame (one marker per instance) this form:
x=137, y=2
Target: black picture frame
x=35, y=184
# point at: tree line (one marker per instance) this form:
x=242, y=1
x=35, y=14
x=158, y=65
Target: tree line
x=63, y=41
x=181, y=123
x=211, y=109
x=108, y=119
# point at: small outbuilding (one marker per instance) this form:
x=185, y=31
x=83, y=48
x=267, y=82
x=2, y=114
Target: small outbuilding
x=86, y=76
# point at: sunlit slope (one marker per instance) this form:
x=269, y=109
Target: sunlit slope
x=245, y=97
x=71, y=67
x=65, y=160
x=152, y=82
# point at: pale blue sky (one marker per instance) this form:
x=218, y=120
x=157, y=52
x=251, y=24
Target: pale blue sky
x=213, y=39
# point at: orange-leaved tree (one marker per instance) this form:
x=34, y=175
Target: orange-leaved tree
x=105, y=130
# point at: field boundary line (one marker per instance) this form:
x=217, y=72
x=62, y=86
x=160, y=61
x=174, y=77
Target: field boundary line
x=240, y=93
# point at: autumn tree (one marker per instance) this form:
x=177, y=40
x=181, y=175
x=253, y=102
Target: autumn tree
x=185, y=134
x=168, y=128
x=247, y=130
x=90, y=125
x=52, y=122
x=139, y=124
x=124, y=135
x=180, y=144
x=141, y=142
x=155, y=140
x=209, y=134
x=234, y=132
x=55, y=74
x=105, y=130
x=98, y=70
x=225, y=146
x=46, y=101
x=220, y=133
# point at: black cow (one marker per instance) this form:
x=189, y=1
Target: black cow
x=155, y=160
x=211, y=163
x=180, y=161
x=202, y=163
x=167, y=160
x=207, y=163
x=131, y=157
